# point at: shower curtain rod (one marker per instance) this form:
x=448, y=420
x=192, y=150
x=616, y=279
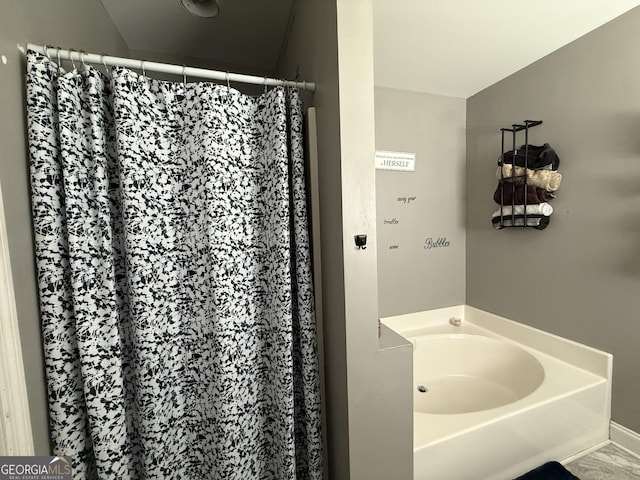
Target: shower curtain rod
x=147, y=66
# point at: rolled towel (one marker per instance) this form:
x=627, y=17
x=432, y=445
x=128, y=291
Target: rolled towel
x=508, y=193
x=537, y=157
x=539, y=222
x=539, y=209
x=545, y=179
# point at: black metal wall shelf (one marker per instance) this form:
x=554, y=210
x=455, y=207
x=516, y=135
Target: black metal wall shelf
x=514, y=213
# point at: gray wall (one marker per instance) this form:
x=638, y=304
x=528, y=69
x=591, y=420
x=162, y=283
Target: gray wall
x=579, y=278
x=426, y=204
x=312, y=49
x=331, y=43
x=72, y=24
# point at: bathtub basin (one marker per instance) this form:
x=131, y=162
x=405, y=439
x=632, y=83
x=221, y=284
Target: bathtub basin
x=462, y=373
x=500, y=398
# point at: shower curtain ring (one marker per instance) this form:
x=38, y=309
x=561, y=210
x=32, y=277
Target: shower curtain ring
x=104, y=62
x=71, y=50
x=144, y=71
x=46, y=51
x=265, y=84
x=184, y=77
x=82, y=54
x=228, y=88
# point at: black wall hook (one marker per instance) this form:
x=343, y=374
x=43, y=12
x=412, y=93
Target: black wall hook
x=361, y=241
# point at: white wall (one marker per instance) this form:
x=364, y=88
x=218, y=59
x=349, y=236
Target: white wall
x=15, y=423
x=331, y=44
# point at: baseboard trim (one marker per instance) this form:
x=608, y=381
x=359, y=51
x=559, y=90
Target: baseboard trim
x=584, y=453
x=625, y=438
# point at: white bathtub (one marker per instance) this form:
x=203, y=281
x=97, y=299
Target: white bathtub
x=462, y=373
x=494, y=398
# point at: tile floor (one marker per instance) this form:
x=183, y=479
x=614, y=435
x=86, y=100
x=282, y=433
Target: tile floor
x=607, y=463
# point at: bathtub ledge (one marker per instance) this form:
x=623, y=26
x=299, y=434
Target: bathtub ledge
x=389, y=339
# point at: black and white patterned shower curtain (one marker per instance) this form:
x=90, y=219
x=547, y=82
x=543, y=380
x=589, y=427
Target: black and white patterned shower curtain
x=174, y=275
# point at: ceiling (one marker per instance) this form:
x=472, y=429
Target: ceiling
x=459, y=47
x=246, y=33
x=446, y=47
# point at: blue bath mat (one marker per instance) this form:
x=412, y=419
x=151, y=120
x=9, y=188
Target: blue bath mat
x=549, y=471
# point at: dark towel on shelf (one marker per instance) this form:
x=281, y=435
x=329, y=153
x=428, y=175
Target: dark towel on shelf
x=549, y=471
x=514, y=194
x=537, y=157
